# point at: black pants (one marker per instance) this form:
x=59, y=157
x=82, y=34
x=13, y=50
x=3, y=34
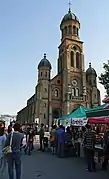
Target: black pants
x=106, y=158
x=41, y=143
x=77, y=145
x=90, y=159
x=60, y=149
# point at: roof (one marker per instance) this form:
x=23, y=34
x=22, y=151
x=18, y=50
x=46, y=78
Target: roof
x=106, y=100
x=78, y=113
x=44, y=63
x=69, y=16
x=91, y=71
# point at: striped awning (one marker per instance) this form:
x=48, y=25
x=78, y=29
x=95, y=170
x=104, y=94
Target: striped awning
x=106, y=100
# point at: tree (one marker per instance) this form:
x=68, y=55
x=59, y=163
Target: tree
x=104, y=78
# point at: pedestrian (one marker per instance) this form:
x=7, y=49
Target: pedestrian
x=106, y=149
x=2, y=158
x=53, y=138
x=60, y=141
x=15, y=156
x=29, y=144
x=41, y=136
x=10, y=128
x=89, y=144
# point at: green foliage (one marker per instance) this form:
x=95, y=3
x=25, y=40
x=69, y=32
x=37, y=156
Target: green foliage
x=104, y=78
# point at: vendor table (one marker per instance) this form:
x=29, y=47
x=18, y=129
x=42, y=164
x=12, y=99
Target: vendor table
x=99, y=153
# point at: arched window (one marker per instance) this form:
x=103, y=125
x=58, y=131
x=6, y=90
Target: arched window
x=72, y=58
x=65, y=30
x=90, y=81
x=44, y=116
x=45, y=74
x=94, y=82
x=56, y=93
x=45, y=90
x=74, y=30
x=77, y=60
x=76, y=92
x=73, y=91
x=77, y=32
x=70, y=29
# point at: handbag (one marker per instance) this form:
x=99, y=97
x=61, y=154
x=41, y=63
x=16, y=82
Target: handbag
x=7, y=150
x=52, y=139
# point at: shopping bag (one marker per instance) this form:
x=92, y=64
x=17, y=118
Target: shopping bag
x=7, y=150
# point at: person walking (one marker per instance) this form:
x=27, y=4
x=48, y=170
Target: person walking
x=30, y=140
x=53, y=138
x=106, y=149
x=10, y=128
x=41, y=136
x=15, y=156
x=89, y=144
x=60, y=141
x=2, y=158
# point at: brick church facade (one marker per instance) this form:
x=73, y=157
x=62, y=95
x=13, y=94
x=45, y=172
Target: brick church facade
x=70, y=88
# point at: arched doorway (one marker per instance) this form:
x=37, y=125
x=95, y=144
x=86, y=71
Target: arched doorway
x=55, y=113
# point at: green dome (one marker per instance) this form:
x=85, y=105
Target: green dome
x=69, y=16
x=91, y=71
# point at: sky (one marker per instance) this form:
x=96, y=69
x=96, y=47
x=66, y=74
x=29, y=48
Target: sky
x=28, y=29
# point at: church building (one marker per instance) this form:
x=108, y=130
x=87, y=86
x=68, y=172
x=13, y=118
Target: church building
x=71, y=87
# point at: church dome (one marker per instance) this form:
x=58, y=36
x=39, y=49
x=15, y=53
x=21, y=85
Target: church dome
x=91, y=71
x=44, y=63
x=69, y=16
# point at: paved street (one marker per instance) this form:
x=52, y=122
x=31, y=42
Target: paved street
x=45, y=166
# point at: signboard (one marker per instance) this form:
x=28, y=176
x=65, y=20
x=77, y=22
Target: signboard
x=73, y=121
x=78, y=121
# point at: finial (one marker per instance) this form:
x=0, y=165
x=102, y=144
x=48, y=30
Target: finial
x=44, y=55
x=69, y=6
x=89, y=65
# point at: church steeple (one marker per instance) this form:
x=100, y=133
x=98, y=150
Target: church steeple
x=70, y=25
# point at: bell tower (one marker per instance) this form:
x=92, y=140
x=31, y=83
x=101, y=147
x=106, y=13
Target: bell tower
x=42, y=90
x=71, y=63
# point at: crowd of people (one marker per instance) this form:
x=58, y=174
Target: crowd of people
x=63, y=142
x=68, y=143
x=10, y=145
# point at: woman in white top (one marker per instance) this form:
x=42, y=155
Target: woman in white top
x=2, y=159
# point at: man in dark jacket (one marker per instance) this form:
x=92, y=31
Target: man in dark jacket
x=89, y=144
x=106, y=150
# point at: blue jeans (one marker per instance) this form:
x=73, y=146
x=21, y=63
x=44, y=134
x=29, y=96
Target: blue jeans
x=2, y=166
x=14, y=158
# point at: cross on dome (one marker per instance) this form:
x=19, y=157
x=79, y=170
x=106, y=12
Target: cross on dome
x=69, y=5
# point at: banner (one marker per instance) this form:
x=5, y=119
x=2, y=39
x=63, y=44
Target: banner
x=78, y=121
x=56, y=122
x=64, y=122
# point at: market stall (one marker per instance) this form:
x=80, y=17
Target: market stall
x=76, y=118
x=99, y=118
